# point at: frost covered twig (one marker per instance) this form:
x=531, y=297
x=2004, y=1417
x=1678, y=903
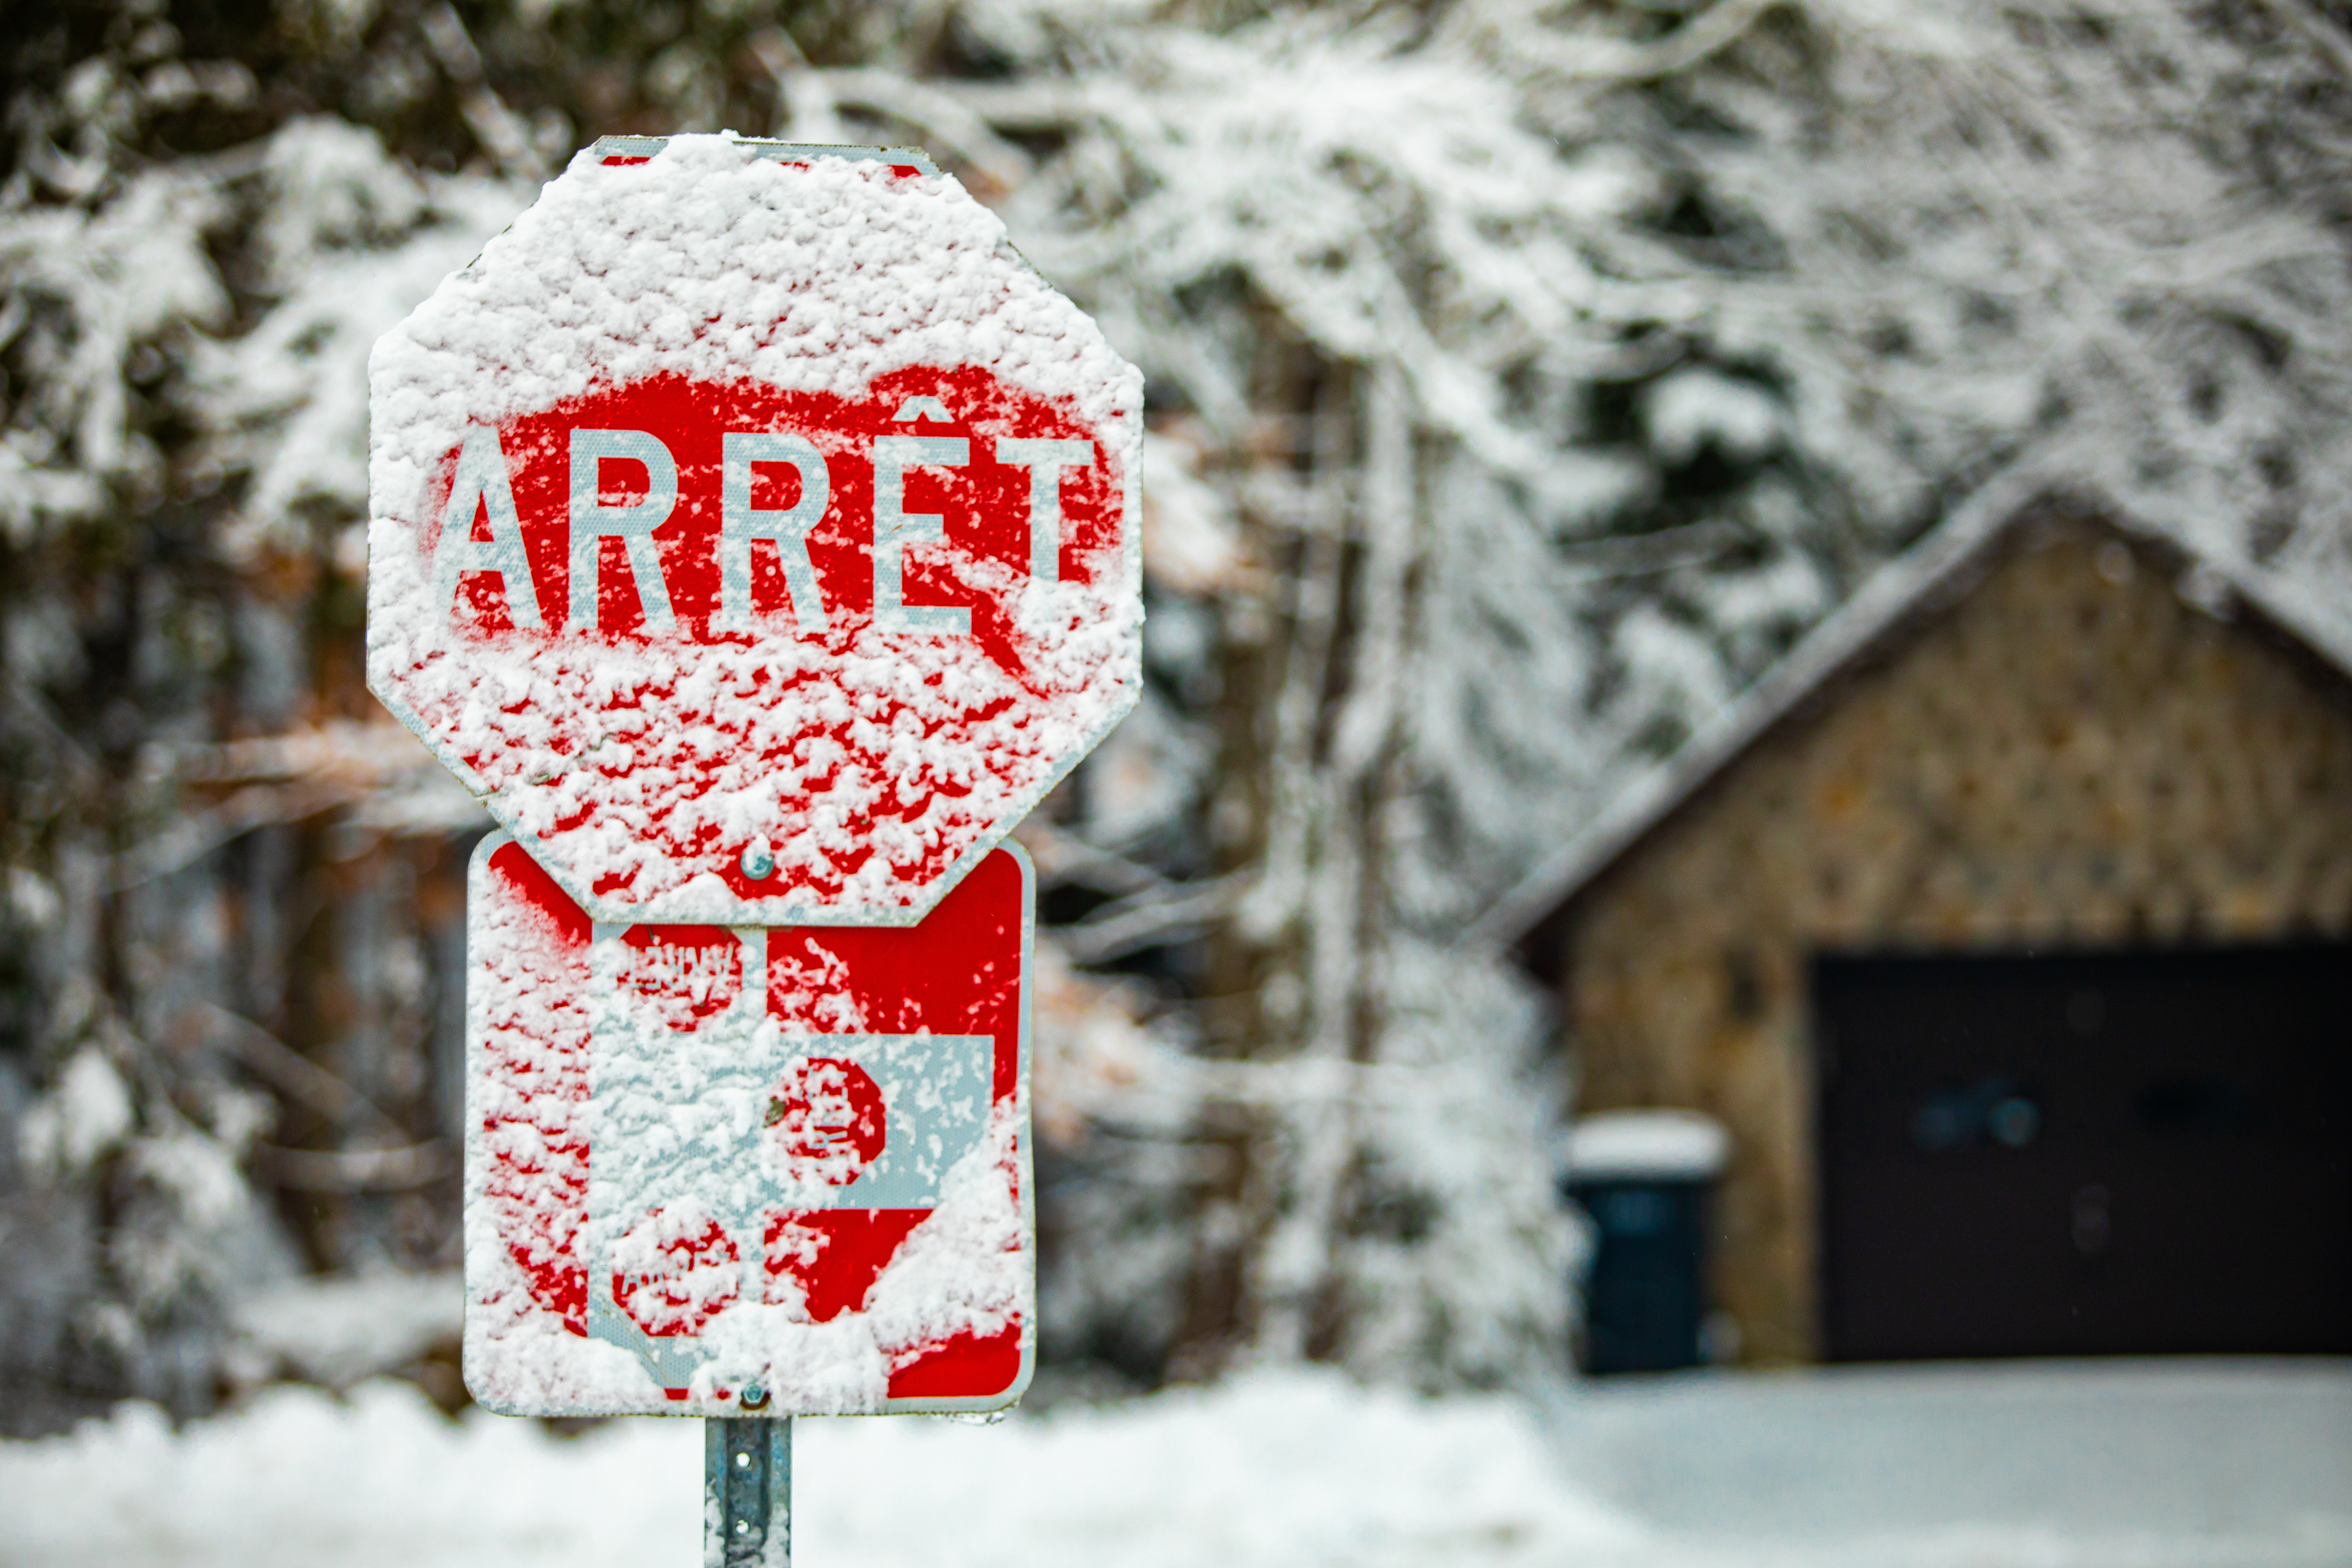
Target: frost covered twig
x=1609, y=60
x=947, y=122
x=1148, y=919
x=288, y=1069
x=500, y=134
x=355, y=1170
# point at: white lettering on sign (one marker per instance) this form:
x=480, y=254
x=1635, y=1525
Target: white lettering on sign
x=895, y=527
x=481, y=482
x=740, y=523
x=1045, y=460
x=593, y=521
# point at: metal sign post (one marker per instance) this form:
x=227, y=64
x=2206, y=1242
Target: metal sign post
x=747, y=1492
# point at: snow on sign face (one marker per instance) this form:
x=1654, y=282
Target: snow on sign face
x=755, y=532
x=773, y=1169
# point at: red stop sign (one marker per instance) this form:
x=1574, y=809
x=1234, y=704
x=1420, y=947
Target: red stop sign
x=755, y=532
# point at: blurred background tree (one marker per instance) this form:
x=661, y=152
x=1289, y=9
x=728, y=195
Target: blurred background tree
x=1524, y=380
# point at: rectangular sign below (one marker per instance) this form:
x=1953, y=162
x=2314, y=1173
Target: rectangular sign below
x=746, y=1171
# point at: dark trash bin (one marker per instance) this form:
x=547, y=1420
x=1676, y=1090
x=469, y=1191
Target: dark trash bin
x=1646, y=1178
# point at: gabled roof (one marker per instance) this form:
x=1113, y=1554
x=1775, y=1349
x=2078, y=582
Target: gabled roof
x=1929, y=577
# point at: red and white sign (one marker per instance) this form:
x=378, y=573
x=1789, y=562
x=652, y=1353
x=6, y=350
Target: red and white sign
x=755, y=532
x=748, y=1170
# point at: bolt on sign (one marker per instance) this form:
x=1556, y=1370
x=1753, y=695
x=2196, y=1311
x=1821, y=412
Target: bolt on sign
x=755, y=532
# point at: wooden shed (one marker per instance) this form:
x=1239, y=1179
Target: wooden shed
x=2005, y=928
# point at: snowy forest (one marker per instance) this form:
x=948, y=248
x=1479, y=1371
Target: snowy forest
x=1523, y=380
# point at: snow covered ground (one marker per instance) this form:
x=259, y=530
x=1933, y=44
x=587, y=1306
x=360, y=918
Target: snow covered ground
x=2154, y=1464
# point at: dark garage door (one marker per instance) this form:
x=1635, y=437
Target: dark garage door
x=2119, y=1153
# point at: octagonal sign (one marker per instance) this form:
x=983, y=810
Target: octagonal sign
x=754, y=530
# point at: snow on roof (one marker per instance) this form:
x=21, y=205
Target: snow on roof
x=1634, y=1145
x=1931, y=574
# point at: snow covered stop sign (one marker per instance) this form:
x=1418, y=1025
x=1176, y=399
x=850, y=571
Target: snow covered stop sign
x=755, y=532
